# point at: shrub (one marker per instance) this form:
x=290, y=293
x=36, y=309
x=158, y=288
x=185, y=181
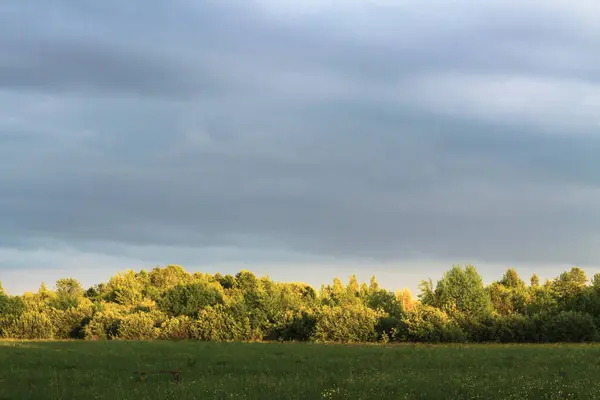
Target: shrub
x=511, y=328
x=219, y=323
x=31, y=325
x=70, y=323
x=566, y=326
x=140, y=326
x=103, y=325
x=350, y=323
x=177, y=328
x=429, y=324
x=297, y=325
x=191, y=298
x=11, y=308
x=386, y=326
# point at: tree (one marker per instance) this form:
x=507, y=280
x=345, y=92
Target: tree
x=405, y=298
x=69, y=293
x=353, y=287
x=31, y=325
x=596, y=283
x=125, y=288
x=227, y=281
x=190, y=299
x=338, y=294
x=170, y=303
x=510, y=294
x=463, y=290
x=429, y=324
x=247, y=281
x=350, y=323
x=535, y=281
x=169, y=277
x=511, y=279
x=501, y=298
x=427, y=295
x=570, y=284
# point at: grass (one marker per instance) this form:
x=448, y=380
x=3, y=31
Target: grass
x=110, y=370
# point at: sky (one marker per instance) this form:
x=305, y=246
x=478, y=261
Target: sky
x=298, y=139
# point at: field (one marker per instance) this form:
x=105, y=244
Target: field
x=112, y=370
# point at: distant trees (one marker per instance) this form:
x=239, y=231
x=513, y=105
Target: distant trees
x=191, y=298
x=170, y=303
x=459, y=289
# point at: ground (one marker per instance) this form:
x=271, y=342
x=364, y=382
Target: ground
x=112, y=370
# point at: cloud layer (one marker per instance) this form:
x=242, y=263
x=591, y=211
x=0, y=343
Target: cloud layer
x=282, y=132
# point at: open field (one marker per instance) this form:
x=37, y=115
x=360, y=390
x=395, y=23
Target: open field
x=110, y=370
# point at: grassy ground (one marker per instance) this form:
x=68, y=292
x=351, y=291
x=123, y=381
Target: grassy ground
x=109, y=370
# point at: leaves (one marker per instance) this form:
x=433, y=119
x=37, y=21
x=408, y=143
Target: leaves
x=170, y=303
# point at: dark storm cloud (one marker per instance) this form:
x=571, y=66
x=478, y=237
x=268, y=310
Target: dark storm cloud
x=378, y=133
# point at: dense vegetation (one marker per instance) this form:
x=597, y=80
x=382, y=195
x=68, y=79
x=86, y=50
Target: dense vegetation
x=207, y=370
x=170, y=303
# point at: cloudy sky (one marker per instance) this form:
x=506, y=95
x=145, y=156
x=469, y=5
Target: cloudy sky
x=299, y=139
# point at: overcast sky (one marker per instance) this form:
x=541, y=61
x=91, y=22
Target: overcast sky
x=299, y=139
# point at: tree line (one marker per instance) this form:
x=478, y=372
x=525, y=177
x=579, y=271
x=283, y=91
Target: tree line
x=170, y=303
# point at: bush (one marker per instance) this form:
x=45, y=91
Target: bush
x=297, y=326
x=350, y=323
x=31, y=325
x=429, y=324
x=386, y=327
x=177, y=328
x=70, y=323
x=219, y=323
x=511, y=328
x=139, y=326
x=566, y=326
x=190, y=299
x=11, y=308
x=103, y=325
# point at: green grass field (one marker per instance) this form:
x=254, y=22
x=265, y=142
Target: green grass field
x=110, y=370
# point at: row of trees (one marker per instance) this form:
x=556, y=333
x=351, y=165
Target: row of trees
x=170, y=303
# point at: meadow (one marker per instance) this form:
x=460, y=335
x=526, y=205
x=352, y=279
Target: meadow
x=207, y=370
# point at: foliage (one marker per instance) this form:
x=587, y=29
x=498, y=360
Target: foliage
x=220, y=323
x=30, y=325
x=462, y=289
x=352, y=323
x=70, y=323
x=138, y=326
x=190, y=299
x=566, y=326
x=170, y=303
x=177, y=328
x=429, y=324
x=68, y=294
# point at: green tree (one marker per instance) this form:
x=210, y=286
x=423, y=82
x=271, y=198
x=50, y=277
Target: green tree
x=425, y=323
x=596, y=282
x=167, y=278
x=125, y=288
x=190, y=299
x=511, y=279
x=68, y=293
x=570, y=284
x=427, y=293
x=350, y=323
x=535, y=281
x=31, y=325
x=510, y=294
x=462, y=289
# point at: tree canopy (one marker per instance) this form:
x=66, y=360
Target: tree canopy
x=171, y=303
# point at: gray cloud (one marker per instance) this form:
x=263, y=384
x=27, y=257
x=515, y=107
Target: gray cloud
x=353, y=132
